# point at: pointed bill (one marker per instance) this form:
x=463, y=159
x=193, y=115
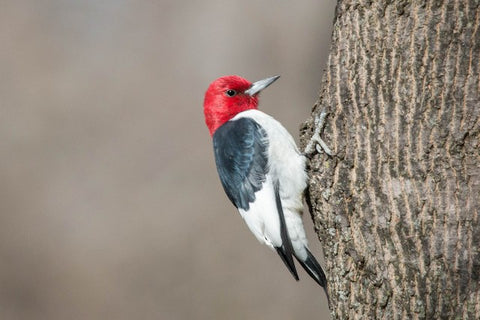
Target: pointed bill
x=260, y=85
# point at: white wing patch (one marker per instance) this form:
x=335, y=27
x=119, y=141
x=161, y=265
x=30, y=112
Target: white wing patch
x=262, y=217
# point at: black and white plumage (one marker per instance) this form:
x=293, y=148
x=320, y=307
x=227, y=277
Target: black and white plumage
x=265, y=179
x=261, y=169
x=240, y=148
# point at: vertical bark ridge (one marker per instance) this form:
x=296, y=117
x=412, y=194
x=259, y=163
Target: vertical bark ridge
x=370, y=116
x=389, y=251
x=456, y=230
x=417, y=47
x=443, y=120
x=397, y=207
x=472, y=84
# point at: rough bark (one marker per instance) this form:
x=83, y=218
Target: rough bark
x=397, y=207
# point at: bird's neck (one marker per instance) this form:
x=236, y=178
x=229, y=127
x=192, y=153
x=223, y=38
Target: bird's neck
x=216, y=117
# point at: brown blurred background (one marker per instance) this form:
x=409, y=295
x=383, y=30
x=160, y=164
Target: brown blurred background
x=110, y=204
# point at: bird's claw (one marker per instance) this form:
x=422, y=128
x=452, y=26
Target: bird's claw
x=316, y=140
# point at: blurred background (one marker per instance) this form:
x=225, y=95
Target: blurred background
x=110, y=203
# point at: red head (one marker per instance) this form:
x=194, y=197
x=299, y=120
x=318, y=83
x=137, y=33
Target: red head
x=227, y=96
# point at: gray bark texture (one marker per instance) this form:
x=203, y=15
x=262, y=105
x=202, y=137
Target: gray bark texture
x=397, y=207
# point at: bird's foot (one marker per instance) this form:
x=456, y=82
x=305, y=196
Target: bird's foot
x=316, y=142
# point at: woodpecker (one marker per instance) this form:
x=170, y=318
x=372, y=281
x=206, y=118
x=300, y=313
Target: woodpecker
x=261, y=169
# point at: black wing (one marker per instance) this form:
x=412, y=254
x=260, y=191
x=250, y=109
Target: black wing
x=240, y=148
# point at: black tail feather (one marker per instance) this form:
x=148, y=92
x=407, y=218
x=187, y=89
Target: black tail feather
x=286, y=250
x=313, y=268
x=288, y=260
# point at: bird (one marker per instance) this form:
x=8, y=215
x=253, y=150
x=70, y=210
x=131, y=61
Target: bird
x=261, y=169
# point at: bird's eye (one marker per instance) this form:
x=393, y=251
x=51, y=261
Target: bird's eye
x=230, y=92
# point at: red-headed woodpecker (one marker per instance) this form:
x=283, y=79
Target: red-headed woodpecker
x=261, y=169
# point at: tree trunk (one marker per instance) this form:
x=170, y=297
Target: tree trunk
x=397, y=207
